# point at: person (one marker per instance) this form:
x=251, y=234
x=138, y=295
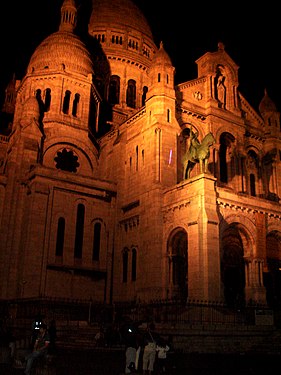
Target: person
x=161, y=349
x=131, y=345
x=35, y=329
x=52, y=330
x=40, y=348
x=194, y=139
x=99, y=337
x=149, y=353
x=193, y=144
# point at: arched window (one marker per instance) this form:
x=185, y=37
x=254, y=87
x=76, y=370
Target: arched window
x=131, y=94
x=114, y=90
x=252, y=185
x=143, y=98
x=41, y=104
x=252, y=168
x=134, y=264
x=38, y=96
x=226, y=171
x=223, y=164
x=125, y=265
x=60, y=237
x=137, y=158
x=47, y=100
x=178, y=264
x=66, y=101
x=75, y=105
x=96, y=242
x=168, y=115
x=179, y=258
x=79, y=231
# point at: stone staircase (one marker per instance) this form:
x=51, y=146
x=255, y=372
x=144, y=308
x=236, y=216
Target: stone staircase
x=77, y=336
x=185, y=338
x=271, y=344
x=83, y=336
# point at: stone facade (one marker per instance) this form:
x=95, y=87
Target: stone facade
x=96, y=201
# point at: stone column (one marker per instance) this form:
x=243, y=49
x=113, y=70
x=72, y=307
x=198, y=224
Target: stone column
x=203, y=241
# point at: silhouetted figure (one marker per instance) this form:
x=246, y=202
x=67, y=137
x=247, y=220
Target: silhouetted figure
x=38, y=320
x=40, y=348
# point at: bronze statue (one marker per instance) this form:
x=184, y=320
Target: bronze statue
x=197, y=153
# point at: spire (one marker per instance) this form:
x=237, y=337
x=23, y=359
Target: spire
x=221, y=46
x=10, y=96
x=68, y=16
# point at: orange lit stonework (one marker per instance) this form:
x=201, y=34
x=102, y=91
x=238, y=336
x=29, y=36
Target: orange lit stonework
x=94, y=199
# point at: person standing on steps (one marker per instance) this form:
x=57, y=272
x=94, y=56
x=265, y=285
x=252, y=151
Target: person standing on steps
x=40, y=348
x=38, y=320
x=131, y=343
x=161, y=349
x=149, y=353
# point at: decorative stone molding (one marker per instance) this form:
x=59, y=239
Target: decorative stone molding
x=129, y=223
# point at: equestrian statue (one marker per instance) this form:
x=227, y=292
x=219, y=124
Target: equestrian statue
x=197, y=153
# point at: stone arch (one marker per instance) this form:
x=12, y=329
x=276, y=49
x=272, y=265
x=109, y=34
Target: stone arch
x=87, y=158
x=246, y=228
x=236, y=246
x=272, y=274
x=177, y=255
x=232, y=267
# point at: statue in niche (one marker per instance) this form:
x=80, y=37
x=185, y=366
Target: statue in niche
x=220, y=88
x=197, y=153
x=268, y=163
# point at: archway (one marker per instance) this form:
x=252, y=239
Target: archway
x=233, y=268
x=272, y=278
x=178, y=264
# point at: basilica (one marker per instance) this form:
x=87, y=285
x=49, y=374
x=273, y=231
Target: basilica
x=118, y=185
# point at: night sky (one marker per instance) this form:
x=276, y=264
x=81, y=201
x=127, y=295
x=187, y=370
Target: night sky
x=187, y=29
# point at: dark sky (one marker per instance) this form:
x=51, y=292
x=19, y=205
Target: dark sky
x=187, y=29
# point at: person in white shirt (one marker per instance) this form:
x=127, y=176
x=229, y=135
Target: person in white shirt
x=161, y=349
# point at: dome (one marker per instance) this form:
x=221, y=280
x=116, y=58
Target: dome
x=266, y=104
x=122, y=47
x=119, y=13
x=161, y=57
x=61, y=50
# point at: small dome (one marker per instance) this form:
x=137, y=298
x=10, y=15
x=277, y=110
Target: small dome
x=31, y=109
x=266, y=104
x=161, y=57
x=61, y=50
